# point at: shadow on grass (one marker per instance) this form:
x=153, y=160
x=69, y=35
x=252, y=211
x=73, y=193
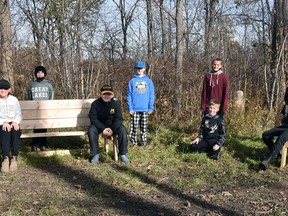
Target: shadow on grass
x=69, y=142
x=177, y=193
x=111, y=197
x=114, y=198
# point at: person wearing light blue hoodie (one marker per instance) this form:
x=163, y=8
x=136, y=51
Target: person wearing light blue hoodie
x=140, y=102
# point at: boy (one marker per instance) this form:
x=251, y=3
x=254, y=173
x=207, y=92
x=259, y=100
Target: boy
x=10, y=118
x=106, y=118
x=281, y=132
x=40, y=89
x=215, y=87
x=211, y=133
x=140, y=102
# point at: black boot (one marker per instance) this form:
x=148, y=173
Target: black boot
x=270, y=157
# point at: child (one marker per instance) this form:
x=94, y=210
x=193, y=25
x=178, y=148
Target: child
x=10, y=118
x=281, y=132
x=140, y=102
x=40, y=89
x=106, y=118
x=215, y=87
x=211, y=133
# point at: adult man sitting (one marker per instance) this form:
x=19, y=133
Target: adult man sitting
x=106, y=118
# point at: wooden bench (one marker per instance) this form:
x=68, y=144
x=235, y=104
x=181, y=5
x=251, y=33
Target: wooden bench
x=284, y=155
x=59, y=114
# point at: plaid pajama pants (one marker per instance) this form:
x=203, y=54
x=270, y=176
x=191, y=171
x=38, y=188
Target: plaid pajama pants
x=142, y=118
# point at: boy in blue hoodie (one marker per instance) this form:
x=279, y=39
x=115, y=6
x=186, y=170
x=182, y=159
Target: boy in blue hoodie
x=140, y=102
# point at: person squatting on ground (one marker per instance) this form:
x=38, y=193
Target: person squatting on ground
x=215, y=87
x=40, y=89
x=10, y=118
x=281, y=132
x=140, y=102
x=106, y=117
x=211, y=135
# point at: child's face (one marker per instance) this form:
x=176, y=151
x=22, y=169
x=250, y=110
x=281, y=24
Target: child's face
x=107, y=97
x=40, y=74
x=4, y=93
x=217, y=65
x=213, y=109
x=140, y=71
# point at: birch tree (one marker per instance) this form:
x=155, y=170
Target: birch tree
x=6, y=41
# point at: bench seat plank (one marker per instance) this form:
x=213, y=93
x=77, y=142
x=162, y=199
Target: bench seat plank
x=55, y=114
x=54, y=134
x=55, y=123
x=55, y=104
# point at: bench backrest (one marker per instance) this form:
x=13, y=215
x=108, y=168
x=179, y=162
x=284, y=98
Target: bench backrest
x=55, y=113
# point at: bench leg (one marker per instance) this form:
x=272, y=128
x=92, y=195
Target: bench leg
x=106, y=145
x=284, y=155
x=115, y=146
x=115, y=142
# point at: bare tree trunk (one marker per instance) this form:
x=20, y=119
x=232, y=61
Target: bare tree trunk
x=164, y=30
x=279, y=51
x=179, y=55
x=126, y=19
x=210, y=6
x=6, y=49
x=79, y=50
x=149, y=34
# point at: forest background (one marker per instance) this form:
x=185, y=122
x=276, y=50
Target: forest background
x=85, y=44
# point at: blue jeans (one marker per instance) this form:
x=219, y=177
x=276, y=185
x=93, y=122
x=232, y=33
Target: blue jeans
x=282, y=136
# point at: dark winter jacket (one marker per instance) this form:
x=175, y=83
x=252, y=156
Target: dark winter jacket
x=212, y=130
x=106, y=114
x=284, y=121
x=215, y=86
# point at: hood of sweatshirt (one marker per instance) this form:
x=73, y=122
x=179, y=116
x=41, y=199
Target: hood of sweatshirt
x=136, y=76
x=211, y=73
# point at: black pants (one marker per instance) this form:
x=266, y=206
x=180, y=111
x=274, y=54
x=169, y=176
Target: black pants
x=204, y=146
x=41, y=141
x=93, y=135
x=282, y=136
x=9, y=140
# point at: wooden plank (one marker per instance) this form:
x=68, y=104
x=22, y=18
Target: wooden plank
x=54, y=134
x=51, y=114
x=284, y=155
x=51, y=153
x=55, y=104
x=55, y=123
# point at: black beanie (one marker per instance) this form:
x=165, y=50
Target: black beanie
x=40, y=68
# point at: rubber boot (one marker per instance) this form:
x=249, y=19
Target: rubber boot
x=270, y=157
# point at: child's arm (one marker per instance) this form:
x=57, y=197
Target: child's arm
x=129, y=98
x=151, y=97
x=200, y=134
x=222, y=136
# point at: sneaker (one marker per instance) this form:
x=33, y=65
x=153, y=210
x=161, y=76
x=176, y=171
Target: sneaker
x=13, y=164
x=43, y=148
x=5, y=164
x=262, y=167
x=33, y=148
x=95, y=159
x=132, y=143
x=124, y=159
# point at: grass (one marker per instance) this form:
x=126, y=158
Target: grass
x=70, y=185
